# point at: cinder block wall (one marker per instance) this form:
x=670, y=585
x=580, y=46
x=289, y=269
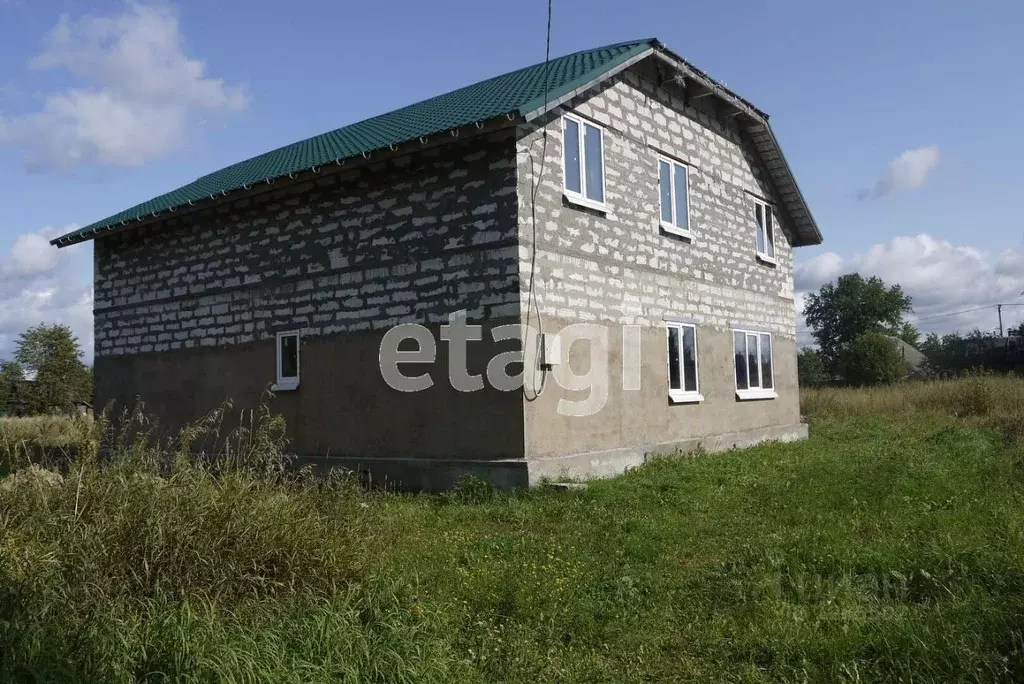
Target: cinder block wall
x=618, y=268
x=186, y=309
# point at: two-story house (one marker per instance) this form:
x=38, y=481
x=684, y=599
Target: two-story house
x=636, y=215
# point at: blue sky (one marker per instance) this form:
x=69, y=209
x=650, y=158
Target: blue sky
x=917, y=100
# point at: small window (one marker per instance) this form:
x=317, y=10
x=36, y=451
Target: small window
x=583, y=162
x=287, y=360
x=683, y=383
x=755, y=372
x=674, y=194
x=764, y=218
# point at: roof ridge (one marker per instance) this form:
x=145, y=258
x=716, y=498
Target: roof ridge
x=473, y=84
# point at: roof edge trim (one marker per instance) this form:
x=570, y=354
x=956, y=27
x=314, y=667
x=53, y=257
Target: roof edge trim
x=817, y=238
x=536, y=107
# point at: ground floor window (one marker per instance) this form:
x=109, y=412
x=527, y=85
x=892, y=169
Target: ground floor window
x=287, y=360
x=683, y=381
x=755, y=371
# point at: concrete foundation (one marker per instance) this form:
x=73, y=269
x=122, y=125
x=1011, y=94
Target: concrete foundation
x=596, y=464
x=438, y=475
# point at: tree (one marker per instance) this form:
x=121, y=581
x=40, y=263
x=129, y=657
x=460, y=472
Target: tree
x=936, y=352
x=840, y=313
x=872, y=359
x=810, y=368
x=51, y=358
x=1016, y=331
x=909, y=334
x=932, y=345
x=11, y=376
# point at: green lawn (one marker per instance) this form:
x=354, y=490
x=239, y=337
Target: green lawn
x=888, y=547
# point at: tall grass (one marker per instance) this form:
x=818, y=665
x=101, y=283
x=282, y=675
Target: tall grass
x=978, y=399
x=152, y=562
x=41, y=438
x=45, y=430
x=886, y=548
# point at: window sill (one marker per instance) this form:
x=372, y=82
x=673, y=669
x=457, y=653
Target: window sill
x=676, y=230
x=287, y=386
x=748, y=395
x=685, y=397
x=765, y=259
x=581, y=201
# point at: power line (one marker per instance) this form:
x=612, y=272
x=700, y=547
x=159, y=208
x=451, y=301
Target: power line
x=955, y=313
x=937, y=316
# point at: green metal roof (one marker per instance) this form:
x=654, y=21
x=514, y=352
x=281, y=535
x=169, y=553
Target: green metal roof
x=522, y=92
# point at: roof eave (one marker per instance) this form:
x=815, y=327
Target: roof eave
x=814, y=236
x=805, y=227
x=90, y=233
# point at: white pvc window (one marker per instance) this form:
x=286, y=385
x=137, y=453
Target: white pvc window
x=764, y=224
x=583, y=162
x=754, y=364
x=674, y=196
x=287, y=360
x=683, y=379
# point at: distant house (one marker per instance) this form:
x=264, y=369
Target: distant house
x=18, y=404
x=618, y=187
x=914, y=360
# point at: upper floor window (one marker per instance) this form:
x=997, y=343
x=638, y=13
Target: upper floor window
x=764, y=218
x=683, y=383
x=583, y=162
x=674, y=193
x=755, y=372
x=287, y=360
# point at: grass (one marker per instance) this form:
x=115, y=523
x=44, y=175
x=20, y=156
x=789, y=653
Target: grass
x=44, y=431
x=886, y=548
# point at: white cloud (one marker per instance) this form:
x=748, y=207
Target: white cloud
x=137, y=89
x=909, y=171
x=41, y=284
x=940, y=277
x=31, y=254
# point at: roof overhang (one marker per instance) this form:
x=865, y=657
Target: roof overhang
x=752, y=121
x=282, y=183
x=755, y=123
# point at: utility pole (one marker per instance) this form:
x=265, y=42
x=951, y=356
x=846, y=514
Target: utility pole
x=999, y=310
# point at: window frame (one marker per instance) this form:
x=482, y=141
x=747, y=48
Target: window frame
x=681, y=395
x=580, y=198
x=287, y=383
x=759, y=392
x=767, y=210
x=673, y=227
